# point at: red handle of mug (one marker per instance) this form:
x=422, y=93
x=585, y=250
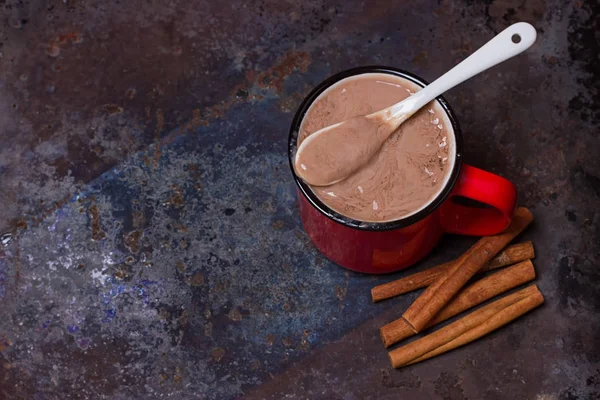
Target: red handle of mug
x=497, y=198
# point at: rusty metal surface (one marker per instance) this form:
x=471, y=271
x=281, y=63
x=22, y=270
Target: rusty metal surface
x=151, y=243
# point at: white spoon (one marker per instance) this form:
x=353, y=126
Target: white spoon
x=335, y=152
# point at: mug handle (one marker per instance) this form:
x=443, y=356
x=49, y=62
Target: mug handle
x=497, y=198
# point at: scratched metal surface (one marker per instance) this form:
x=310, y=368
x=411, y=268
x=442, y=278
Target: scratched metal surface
x=151, y=244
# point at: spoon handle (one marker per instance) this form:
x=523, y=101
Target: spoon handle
x=512, y=41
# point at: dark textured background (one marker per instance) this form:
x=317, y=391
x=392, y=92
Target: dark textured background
x=151, y=244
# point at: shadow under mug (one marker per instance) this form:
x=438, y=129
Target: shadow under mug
x=384, y=247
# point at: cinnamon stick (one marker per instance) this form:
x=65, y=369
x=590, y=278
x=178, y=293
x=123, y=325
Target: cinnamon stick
x=469, y=328
x=439, y=293
x=474, y=294
x=511, y=255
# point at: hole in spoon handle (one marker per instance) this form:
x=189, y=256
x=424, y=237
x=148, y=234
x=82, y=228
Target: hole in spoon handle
x=521, y=35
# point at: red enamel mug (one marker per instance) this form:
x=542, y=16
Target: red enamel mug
x=473, y=202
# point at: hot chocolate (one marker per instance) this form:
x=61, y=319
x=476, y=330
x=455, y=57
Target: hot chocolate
x=412, y=166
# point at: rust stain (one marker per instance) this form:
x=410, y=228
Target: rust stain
x=552, y=60
x=45, y=213
x=279, y=224
x=163, y=313
x=250, y=75
x=270, y=339
x=304, y=342
x=255, y=365
x=162, y=378
x=465, y=48
x=131, y=93
x=59, y=41
x=176, y=200
x=179, y=227
x=218, y=353
x=208, y=329
x=183, y=244
x=194, y=122
x=20, y=224
x=5, y=343
x=139, y=219
x=97, y=232
x=222, y=286
x=184, y=318
x=122, y=274
x=132, y=241
x=178, y=377
x=138, y=215
x=203, y=118
x=290, y=62
x=180, y=266
x=196, y=280
x=340, y=292
x=420, y=59
x=235, y=315
x=271, y=79
x=113, y=108
x=73, y=37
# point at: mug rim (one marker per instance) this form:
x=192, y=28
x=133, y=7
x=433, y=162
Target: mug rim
x=351, y=222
